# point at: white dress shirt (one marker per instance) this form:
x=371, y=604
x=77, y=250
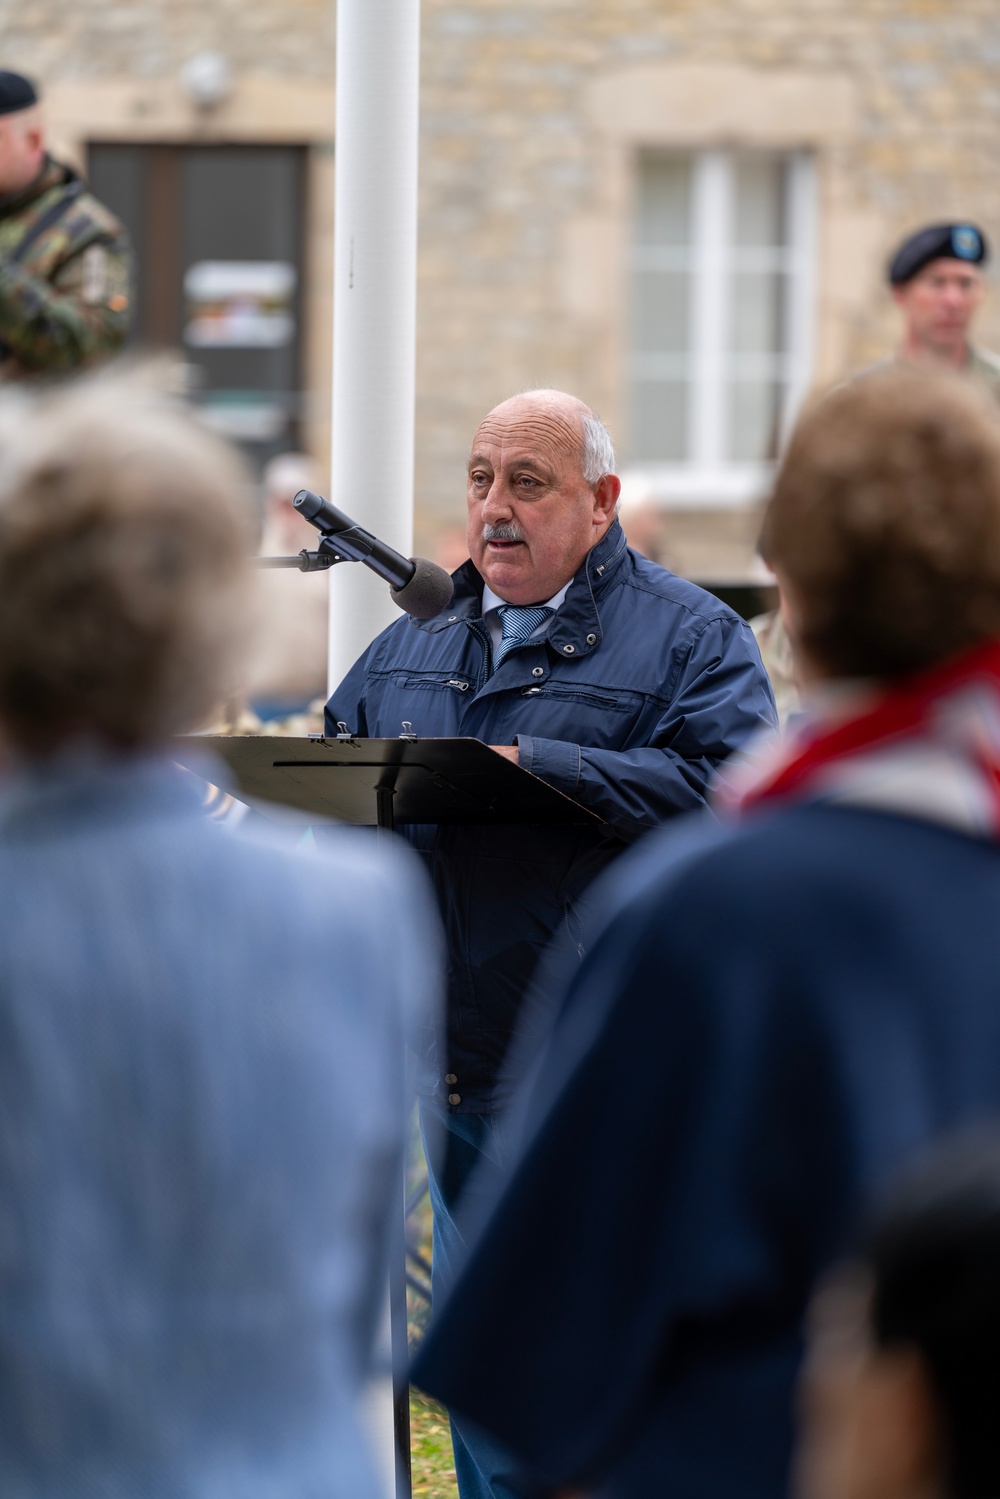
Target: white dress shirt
x=492, y=602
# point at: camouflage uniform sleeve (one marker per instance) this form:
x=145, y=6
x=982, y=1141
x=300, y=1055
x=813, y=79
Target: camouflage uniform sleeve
x=82, y=312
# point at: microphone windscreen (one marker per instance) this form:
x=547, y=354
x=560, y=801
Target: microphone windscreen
x=428, y=591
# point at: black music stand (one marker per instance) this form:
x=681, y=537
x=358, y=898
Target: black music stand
x=384, y=783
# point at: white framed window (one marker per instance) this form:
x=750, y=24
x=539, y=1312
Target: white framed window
x=722, y=285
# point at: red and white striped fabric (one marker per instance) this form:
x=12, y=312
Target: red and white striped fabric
x=925, y=747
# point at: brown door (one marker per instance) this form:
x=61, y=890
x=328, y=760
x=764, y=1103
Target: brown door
x=218, y=239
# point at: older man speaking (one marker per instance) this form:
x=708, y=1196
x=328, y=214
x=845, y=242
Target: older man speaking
x=601, y=673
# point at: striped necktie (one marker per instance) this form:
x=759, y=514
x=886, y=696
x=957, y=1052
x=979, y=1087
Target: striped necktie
x=518, y=622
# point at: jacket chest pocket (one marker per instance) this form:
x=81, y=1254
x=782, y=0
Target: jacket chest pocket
x=431, y=702
x=433, y=684
x=593, y=716
x=585, y=698
x=457, y=685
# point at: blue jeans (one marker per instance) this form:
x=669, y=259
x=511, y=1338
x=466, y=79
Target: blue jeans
x=455, y=1145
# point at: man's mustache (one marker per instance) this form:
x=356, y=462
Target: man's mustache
x=508, y=532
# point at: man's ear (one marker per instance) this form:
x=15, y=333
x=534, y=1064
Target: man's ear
x=606, y=492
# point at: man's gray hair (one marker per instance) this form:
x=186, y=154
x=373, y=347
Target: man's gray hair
x=598, y=450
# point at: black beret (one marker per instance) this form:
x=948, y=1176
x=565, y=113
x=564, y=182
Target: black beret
x=951, y=241
x=15, y=93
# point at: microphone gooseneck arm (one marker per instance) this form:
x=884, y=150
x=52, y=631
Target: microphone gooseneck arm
x=420, y=587
x=346, y=540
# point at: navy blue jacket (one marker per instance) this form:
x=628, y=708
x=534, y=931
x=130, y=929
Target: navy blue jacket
x=636, y=690
x=772, y=1020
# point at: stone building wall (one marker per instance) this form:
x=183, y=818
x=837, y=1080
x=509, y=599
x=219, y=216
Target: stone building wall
x=532, y=112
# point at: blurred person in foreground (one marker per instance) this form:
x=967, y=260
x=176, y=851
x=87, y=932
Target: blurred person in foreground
x=65, y=259
x=287, y=667
x=902, y=1377
x=615, y=682
x=780, y=1005
x=203, y=1096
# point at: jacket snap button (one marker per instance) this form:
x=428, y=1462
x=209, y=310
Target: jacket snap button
x=454, y=1098
x=591, y=639
x=538, y=671
x=452, y=618
x=450, y=1077
x=568, y=650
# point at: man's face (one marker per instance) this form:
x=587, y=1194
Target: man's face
x=22, y=149
x=939, y=303
x=532, y=516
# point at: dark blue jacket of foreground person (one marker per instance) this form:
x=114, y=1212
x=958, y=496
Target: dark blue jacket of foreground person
x=629, y=697
x=771, y=1020
x=203, y=1110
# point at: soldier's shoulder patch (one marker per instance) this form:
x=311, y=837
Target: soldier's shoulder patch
x=103, y=278
x=94, y=275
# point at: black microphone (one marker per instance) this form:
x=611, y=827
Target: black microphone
x=420, y=587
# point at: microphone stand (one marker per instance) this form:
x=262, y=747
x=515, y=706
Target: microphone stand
x=306, y=562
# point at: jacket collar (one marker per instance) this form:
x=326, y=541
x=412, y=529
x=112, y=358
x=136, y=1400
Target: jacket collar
x=51, y=174
x=575, y=630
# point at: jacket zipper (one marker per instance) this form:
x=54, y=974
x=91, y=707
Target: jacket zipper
x=483, y=637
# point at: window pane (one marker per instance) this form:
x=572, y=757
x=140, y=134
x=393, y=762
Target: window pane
x=659, y=420
x=660, y=311
x=660, y=308
x=757, y=313
x=759, y=209
x=754, y=410
x=758, y=338
x=664, y=201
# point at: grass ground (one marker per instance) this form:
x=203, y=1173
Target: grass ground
x=430, y=1446
x=430, y=1437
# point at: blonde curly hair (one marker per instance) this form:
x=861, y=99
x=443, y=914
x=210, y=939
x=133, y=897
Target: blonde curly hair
x=124, y=574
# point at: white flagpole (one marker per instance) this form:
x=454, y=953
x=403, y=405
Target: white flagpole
x=374, y=302
x=374, y=350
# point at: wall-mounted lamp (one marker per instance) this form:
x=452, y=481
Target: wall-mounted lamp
x=207, y=79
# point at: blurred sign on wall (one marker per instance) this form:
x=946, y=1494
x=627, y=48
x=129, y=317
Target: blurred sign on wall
x=218, y=232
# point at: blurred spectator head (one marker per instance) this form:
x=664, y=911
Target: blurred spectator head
x=884, y=526
x=641, y=516
x=902, y=1383
x=123, y=567
x=284, y=527
x=22, y=137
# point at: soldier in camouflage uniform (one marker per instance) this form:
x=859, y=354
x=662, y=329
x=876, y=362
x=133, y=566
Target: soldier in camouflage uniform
x=937, y=284
x=64, y=259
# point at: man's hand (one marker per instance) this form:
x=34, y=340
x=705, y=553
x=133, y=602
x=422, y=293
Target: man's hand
x=509, y=751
